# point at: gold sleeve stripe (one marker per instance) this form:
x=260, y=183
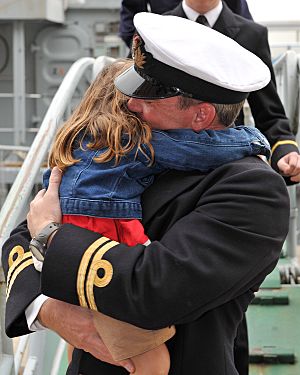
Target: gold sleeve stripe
x=18, y=271
x=17, y=250
x=280, y=143
x=93, y=278
x=82, y=272
x=15, y=263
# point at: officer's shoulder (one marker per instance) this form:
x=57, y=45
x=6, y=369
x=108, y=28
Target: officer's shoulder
x=252, y=168
x=249, y=24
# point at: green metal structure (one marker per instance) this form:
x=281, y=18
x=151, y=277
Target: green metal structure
x=274, y=328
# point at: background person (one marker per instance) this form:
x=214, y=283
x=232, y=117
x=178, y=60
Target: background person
x=131, y=7
x=212, y=245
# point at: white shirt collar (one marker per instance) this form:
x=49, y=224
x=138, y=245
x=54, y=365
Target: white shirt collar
x=211, y=16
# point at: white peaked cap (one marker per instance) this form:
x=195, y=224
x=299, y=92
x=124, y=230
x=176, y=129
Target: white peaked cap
x=176, y=56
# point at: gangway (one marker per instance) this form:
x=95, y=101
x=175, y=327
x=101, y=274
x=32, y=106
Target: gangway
x=286, y=69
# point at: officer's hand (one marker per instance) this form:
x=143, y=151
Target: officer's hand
x=75, y=325
x=45, y=207
x=289, y=165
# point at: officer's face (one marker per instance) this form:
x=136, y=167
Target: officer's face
x=161, y=113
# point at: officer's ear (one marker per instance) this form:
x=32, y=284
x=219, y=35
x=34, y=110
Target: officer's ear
x=204, y=116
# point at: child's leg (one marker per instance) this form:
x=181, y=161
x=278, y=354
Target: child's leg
x=153, y=362
x=145, y=347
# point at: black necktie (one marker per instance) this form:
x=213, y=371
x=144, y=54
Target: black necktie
x=203, y=20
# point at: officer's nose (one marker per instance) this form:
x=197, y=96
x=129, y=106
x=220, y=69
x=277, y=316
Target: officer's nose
x=135, y=105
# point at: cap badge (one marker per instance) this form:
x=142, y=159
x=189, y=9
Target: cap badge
x=137, y=55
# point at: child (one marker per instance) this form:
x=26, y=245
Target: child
x=109, y=157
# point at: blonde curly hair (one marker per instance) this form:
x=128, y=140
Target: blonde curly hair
x=104, y=117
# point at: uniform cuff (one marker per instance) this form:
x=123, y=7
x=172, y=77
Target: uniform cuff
x=32, y=312
x=280, y=149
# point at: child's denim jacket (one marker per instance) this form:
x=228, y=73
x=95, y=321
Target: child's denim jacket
x=114, y=191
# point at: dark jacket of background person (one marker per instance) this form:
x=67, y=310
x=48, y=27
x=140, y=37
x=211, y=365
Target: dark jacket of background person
x=265, y=104
x=240, y=7
x=130, y=7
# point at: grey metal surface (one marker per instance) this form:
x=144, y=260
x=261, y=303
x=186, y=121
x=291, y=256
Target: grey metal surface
x=51, y=10
x=6, y=364
x=286, y=69
x=31, y=366
x=286, y=73
x=90, y=28
x=19, y=82
x=6, y=348
x=92, y=4
x=291, y=239
x=57, y=49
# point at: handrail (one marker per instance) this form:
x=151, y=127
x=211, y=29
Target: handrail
x=21, y=189
x=14, y=148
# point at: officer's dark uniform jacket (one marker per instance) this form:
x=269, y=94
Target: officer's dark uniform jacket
x=265, y=104
x=215, y=238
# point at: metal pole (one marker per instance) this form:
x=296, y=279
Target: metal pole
x=19, y=82
x=37, y=346
x=23, y=342
x=291, y=239
x=6, y=348
x=61, y=347
x=31, y=366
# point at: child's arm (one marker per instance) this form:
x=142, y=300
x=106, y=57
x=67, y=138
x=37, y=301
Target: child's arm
x=184, y=149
